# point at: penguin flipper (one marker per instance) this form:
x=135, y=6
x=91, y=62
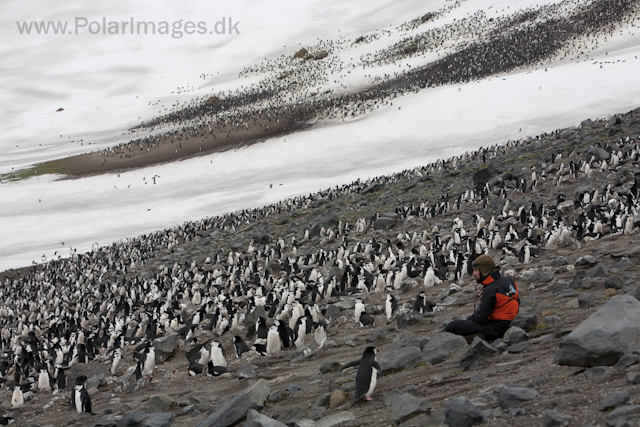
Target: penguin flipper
x=376, y=365
x=350, y=364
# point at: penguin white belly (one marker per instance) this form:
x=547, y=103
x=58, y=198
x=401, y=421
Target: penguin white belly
x=273, y=343
x=78, y=400
x=372, y=384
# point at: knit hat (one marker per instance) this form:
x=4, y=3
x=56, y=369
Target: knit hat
x=485, y=264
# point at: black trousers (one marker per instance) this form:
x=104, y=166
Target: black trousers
x=491, y=330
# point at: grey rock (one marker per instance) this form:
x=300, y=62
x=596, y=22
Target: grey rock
x=627, y=360
x=159, y=419
x=579, y=279
x=408, y=319
x=514, y=335
x=516, y=412
x=527, y=320
x=623, y=264
x=350, y=343
x=460, y=412
x=511, y=397
x=132, y=419
x=376, y=335
x=90, y=370
x=519, y=348
x=597, y=372
x=613, y=400
x=622, y=414
x=600, y=270
x=165, y=347
x=613, y=282
x=337, y=418
x=277, y=396
x=633, y=377
x=597, y=153
x=440, y=347
x=246, y=372
x=385, y=222
x=481, y=177
x=586, y=300
x=555, y=419
x=406, y=406
x=399, y=359
x=328, y=367
x=477, y=351
x=346, y=304
x=585, y=260
x=604, y=337
x=235, y=408
x=559, y=261
x=256, y=419
x=508, y=366
x=161, y=403
x=262, y=238
x=333, y=312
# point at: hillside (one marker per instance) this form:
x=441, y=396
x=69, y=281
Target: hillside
x=576, y=178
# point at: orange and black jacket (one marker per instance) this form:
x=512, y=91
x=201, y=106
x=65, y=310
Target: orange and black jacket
x=498, y=300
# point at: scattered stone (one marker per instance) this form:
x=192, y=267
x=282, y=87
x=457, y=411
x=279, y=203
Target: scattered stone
x=399, y=359
x=511, y=397
x=518, y=348
x=477, y=351
x=627, y=360
x=235, y=408
x=256, y=419
x=619, y=415
x=247, y=372
x=350, y=343
x=613, y=282
x=633, y=377
x=508, y=366
x=526, y=321
x=165, y=347
x=460, y=412
x=515, y=335
x=586, y=300
x=613, y=400
x=610, y=292
x=597, y=372
x=376, y=335
x=406, y=406
x=555, y=419
x=159, y=419
x=600, y=270
x=585, y=260
x=559, y=261
x=623, y=264
x=440, y=347
x=338, y=397
x=408, y=319
x=604, y=337
x=328, y=367
x=516, y=412
x=333, y=419
x=161, y=402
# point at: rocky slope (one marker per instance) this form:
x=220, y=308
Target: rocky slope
x=427, y=377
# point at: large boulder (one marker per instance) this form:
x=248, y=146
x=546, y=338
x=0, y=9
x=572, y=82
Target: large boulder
x=440, y=347
x=232, y=410
x=400, y=358
x=460, y=412
x=165, y=347
x=605, y=336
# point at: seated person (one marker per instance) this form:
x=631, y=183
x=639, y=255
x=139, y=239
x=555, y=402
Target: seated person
x=499, y=303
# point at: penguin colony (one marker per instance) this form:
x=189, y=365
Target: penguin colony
x=106, y=305
x=295, y=90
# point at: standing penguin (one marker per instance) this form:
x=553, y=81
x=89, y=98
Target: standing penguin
x=422, y=305
x=391, y=306
x=274, y=344
x=80, y=396
x=367, y=375
x=300, y=332
x=147, y=362
x=115, y=360
x=320, y=333
x=358, y=309
x=217, y=354
x=17, y=399
x=240, y=346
